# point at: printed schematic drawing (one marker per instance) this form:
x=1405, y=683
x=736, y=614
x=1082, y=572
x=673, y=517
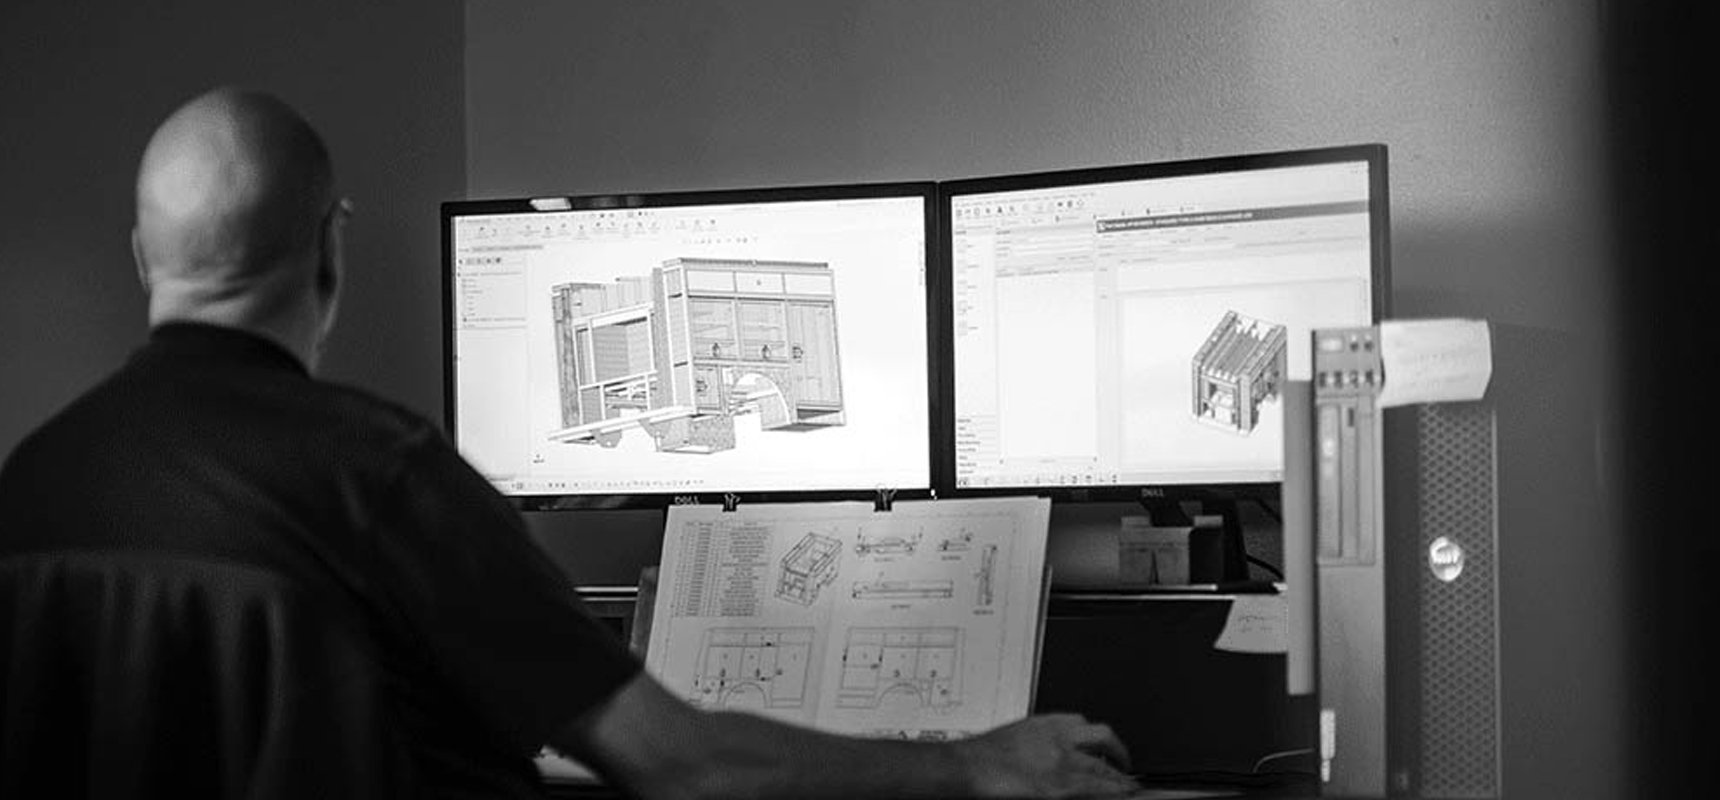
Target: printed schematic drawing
x=888, y=544
x=682, y=352
x=987, y=569
x=753, y=668
x=1237, y=369
x=807, y=568
x=916, y=666
x=904, y=589
x=957, y=544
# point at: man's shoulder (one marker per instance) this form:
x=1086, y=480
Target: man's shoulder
x=365, y=406
x=359, y=418
x=72, y=420
x=321, y=414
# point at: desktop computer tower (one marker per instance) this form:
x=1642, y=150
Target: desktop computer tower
x=1444, y=734
x=1414, y=515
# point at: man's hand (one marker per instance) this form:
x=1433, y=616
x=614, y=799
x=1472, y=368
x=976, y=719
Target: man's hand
x=654, y=745
x=1046, y=756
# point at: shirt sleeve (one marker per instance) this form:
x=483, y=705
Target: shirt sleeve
x=501, y=623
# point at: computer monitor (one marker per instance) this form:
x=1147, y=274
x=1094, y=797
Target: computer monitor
x=1126, y=331
x=637, y=350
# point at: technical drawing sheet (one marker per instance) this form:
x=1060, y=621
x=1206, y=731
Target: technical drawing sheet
x=919, y=622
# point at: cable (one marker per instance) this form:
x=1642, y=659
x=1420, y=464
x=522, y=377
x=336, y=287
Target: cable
x=1227, y=778
x=1282, y=754
x=1276, y=517
x=1276, y=572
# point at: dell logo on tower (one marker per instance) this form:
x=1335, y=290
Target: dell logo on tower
x=1445, y=558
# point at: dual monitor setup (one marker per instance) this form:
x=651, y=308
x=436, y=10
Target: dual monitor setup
x=1106, y=333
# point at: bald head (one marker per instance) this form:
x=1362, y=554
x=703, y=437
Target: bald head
x=234, y=199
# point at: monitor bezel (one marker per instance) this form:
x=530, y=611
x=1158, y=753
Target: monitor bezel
x=944, y=468
x=926, y=191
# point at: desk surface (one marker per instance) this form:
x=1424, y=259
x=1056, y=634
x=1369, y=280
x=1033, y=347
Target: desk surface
x=590, y=791
x=1145, y=664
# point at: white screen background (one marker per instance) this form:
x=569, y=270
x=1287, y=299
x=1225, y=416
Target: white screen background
x=1074, y=349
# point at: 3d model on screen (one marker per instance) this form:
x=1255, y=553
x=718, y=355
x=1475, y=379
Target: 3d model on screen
x=1238, y=368
x=684, y=351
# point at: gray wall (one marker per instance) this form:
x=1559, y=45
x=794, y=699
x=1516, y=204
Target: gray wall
x=1490, y=109
x=1492, y=112
x=82, y=87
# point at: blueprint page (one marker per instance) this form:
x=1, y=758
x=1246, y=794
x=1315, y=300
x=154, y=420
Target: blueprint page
x=920, y=622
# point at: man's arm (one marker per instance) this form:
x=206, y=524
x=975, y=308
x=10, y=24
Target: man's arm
x=652, y=744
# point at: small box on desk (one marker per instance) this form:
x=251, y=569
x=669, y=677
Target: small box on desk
x=1170, y=556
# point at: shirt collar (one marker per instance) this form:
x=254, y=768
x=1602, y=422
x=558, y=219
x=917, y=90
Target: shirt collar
x=214, y=342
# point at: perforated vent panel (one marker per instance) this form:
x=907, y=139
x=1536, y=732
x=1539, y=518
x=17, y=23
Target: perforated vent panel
x=1459, y=642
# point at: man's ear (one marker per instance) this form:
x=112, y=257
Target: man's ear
x=137, y=258
x=331, y=263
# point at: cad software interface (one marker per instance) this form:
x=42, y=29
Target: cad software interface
x=1137, y=332
x=757, y=346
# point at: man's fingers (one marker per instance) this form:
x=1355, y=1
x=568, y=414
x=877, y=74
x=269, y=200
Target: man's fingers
x=1098, y=739
x=1101, y=777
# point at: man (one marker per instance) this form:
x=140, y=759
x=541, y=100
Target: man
x=215, y=455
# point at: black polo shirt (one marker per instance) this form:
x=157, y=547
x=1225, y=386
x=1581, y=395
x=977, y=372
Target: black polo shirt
x=215, y=444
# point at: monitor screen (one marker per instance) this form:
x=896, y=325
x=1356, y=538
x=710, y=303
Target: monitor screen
x=1131, y=326
x=645, y=348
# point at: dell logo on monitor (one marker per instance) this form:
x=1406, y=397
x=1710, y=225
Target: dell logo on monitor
x=1445, y=558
